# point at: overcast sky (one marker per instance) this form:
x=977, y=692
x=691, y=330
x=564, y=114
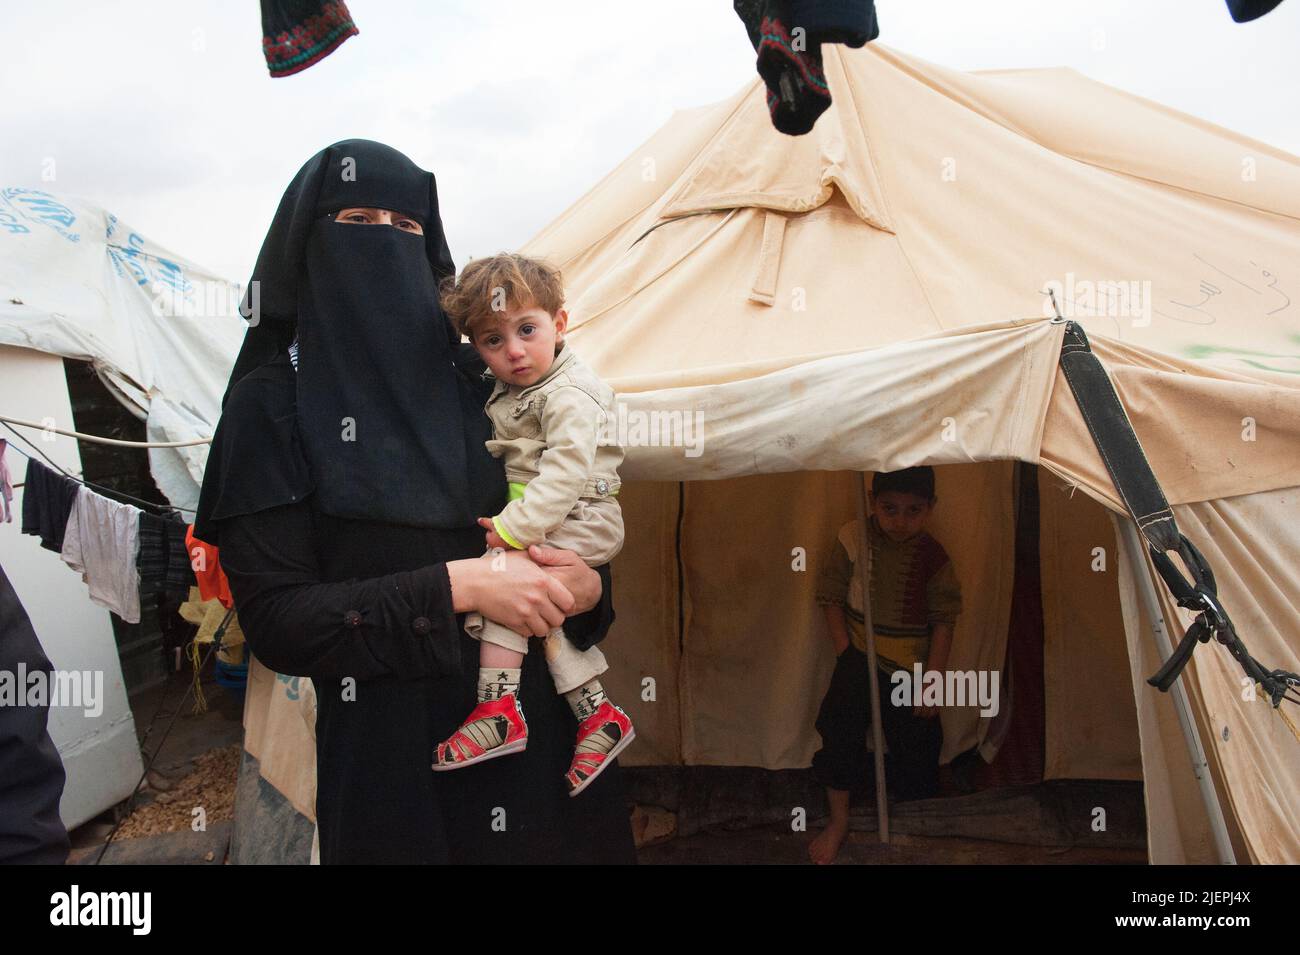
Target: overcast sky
x=163, y=111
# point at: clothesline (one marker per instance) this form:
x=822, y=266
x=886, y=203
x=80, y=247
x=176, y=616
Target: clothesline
x=106, y=491
x=99, y=440
x=121, y=551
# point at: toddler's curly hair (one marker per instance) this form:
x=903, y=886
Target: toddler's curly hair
x=492, y=285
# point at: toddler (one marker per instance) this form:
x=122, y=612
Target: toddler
x=547, y=410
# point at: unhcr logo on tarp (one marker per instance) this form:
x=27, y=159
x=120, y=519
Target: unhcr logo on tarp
x=36, y=207
x=1086, y=298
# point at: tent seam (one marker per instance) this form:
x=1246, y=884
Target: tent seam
x=895, y=225
x=1026, y=365
x=866, y=136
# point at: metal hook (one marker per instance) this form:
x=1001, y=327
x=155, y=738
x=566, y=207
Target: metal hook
x=1051, y=293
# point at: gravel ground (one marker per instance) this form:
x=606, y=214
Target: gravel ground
x=210, y=786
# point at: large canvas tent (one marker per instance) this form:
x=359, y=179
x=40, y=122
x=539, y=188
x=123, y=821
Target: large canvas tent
x=871, y=296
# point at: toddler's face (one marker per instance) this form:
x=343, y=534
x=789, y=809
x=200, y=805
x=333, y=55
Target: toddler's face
x=519, y=347
x=901, y=515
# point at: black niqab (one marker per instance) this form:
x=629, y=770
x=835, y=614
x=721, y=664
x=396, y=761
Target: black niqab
x=383, y=419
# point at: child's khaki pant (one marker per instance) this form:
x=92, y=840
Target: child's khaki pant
x=594, y=531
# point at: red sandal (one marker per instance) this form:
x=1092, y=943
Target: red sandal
x=590, y=763
x=495, y=728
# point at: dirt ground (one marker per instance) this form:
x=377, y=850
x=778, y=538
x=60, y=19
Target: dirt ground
x=210, y=787
x=195, y=759
x=776, y=845
x=716, y=816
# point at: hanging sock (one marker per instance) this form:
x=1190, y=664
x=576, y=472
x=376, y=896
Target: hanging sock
x=299, y=33
x=791, y=67
x=850, y=22
x=1243, y=11
x=788, y=36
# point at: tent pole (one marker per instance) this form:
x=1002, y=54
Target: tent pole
x=877, y=734
x=1164, y=648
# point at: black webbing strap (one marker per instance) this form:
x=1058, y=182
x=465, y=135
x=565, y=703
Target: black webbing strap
x=1138, y=488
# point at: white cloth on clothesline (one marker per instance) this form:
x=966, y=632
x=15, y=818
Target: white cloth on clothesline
x=101, y=542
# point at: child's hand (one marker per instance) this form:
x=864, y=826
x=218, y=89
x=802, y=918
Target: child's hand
x=493, y=538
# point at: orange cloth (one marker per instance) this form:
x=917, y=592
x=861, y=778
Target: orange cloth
x=207, y=570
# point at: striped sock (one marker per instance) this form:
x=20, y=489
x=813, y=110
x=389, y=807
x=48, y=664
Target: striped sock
x=586, y=699
x=496, y=682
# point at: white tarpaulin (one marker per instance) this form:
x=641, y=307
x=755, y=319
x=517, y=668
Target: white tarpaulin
x=161, y=332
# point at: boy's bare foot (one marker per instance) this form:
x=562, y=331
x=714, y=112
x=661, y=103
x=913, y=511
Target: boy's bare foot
x=826, y=846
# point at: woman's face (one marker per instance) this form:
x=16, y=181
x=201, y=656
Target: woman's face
x=368, y=215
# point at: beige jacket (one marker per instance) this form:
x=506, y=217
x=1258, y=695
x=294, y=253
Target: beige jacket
x=549, y=437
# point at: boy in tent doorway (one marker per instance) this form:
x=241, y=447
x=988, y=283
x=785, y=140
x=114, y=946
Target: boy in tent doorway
x=914, y=599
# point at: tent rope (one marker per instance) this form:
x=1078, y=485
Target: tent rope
x=200, y=701
x=99, y=440
x=1281, y=712
x=109, y=492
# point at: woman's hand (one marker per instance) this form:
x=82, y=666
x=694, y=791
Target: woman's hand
x=512, y=590
x=570, y=570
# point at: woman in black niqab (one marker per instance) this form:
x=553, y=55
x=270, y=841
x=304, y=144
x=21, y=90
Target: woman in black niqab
x=339, y=489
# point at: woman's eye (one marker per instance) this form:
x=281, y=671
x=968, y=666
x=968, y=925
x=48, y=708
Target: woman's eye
x=357, y=217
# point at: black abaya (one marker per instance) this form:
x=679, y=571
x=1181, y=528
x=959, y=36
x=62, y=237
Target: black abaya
x=332, y=598
x=336, y=492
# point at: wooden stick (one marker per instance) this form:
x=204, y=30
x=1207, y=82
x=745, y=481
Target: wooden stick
x=877, y=734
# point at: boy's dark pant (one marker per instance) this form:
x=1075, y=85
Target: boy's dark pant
x=912, y=763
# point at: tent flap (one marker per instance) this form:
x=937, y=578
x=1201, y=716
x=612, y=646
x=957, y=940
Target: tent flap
x=974, y=397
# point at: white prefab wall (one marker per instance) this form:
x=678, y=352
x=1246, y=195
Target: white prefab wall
x=100, y=752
